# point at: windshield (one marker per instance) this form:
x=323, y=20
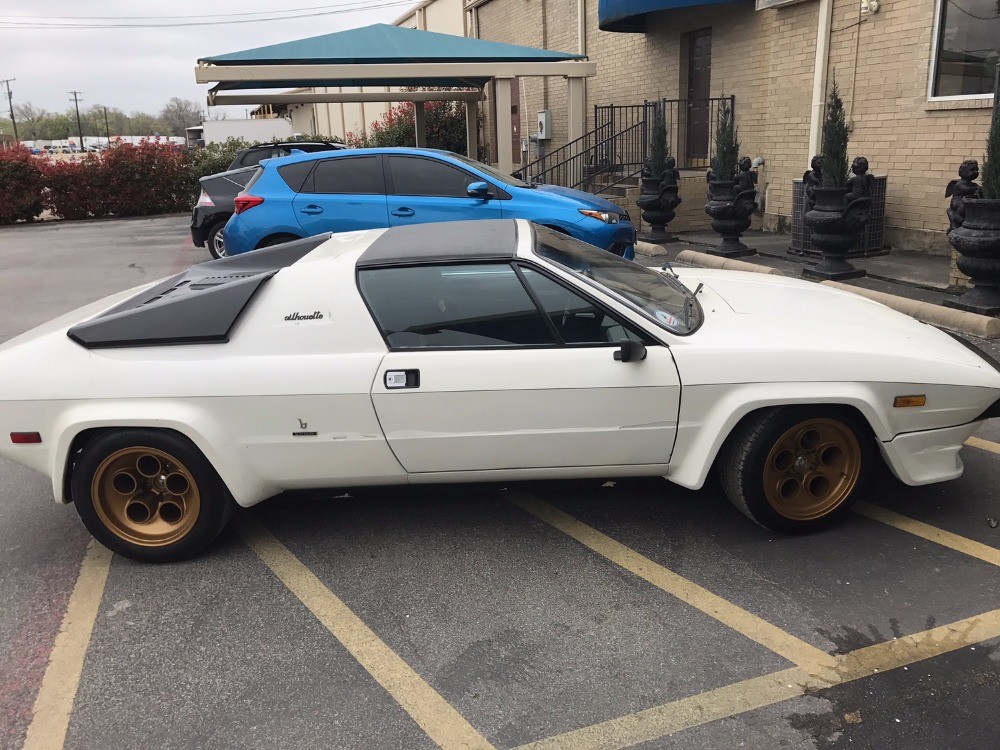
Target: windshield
x=496, y=174
x=658, y=296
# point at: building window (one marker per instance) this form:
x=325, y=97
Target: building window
x=967, y=49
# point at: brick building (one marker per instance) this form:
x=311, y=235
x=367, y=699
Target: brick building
x=915, y=75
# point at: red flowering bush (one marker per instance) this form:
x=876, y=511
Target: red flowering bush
x=444, y=126
x=150, y=178
x=20, y=186
x=74, y=189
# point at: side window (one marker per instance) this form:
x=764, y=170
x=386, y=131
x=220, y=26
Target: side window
x=470, y=306
x=416, y=176
x=295, y=175
x=360, y=175
x=576, y=320
x=254, y=157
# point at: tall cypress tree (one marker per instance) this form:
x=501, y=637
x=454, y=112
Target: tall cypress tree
x=658, y=144
x=835, y=137
x=727, y=145
x=991, y=162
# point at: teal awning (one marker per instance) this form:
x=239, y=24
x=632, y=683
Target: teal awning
x=381, y=43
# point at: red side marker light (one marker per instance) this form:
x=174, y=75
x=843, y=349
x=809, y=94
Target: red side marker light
x=243, y=202
x=22, y=438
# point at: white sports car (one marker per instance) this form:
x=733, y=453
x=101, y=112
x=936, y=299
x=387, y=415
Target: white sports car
x=465, y=351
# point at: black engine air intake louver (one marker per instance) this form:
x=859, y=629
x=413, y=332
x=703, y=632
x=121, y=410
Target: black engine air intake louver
x=199, y=306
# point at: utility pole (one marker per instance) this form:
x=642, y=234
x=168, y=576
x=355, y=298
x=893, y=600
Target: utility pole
x=79, y=124
x=107, y=128
x=10, y=101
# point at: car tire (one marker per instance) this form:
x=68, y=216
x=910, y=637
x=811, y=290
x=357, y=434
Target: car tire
x=149, y=495
x=796, y=469
x=214, y=241
x=276, y=239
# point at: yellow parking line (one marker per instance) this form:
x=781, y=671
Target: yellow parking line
x=54, y=702
x=756, y=629
x=685, y=713
x=442, y=723
x=986, y=445
x=931, y=533
x=749, y=695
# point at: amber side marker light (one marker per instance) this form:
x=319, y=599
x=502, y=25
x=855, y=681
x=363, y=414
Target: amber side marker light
x=22, y=438
x=901, y=401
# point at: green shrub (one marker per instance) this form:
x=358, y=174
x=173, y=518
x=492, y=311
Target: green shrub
x=991, y=162
x=836, y=170
x=727, y=145
x=20, y=186
x=658, y=145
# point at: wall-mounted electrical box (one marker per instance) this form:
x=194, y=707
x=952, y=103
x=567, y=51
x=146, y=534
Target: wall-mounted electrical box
x=544, y=125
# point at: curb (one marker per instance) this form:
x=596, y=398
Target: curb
x=971, y=324
x=704, y=260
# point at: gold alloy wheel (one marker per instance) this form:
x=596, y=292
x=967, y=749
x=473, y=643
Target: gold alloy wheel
x=812, y=469
x=145, y=496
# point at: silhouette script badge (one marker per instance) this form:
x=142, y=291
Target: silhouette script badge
x=299, y=316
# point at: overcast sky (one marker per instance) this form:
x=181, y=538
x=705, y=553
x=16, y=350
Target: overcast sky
x=141, y=68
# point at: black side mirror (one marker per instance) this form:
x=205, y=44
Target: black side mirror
x=631, y=351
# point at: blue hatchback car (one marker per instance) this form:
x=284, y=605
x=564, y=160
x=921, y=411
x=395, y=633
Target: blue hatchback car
x=340, y=191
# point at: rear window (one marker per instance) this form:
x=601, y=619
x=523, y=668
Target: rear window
x=253, y=180
x=295, y=175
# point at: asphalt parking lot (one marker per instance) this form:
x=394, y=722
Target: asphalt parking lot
x=552, y=616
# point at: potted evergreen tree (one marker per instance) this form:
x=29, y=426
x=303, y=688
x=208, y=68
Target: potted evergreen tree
x=975, y=226
x=731, y=194
x=840, y=212
x=658, y=197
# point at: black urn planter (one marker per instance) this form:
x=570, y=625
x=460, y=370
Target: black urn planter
x=977, y=241
x=730, y=212
x=657, y=202
x=835, y=229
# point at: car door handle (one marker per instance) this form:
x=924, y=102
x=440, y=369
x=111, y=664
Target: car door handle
x=311, y=209
x=402, y=379
x=403, y=212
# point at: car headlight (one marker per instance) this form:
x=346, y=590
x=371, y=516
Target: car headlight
x=605, y=216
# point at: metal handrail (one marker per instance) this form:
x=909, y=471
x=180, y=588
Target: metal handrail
x=617, y=147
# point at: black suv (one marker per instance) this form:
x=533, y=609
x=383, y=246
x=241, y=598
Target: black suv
x=251, y=157
x=215, y=205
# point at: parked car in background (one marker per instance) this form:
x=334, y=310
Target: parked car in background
x=215, y=206
x=308, y=194
x=475, y=351
x=251, y=157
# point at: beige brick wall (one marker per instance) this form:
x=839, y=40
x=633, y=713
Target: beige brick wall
x=765, y=58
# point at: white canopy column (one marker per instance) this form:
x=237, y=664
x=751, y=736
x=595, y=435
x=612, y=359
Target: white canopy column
x=505, y=131
x=420, y=124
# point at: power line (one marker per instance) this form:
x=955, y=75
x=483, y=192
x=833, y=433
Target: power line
x=186, y=16
x=8, y=24
x=956, y=6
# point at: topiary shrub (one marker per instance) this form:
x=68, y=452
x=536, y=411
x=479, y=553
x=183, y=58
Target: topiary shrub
x=991, y=161
x=20, y=186
x=835, y=136
x=727, y=144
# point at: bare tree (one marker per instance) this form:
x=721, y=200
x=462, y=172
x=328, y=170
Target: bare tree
x=178, y=114
x=31, y=121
